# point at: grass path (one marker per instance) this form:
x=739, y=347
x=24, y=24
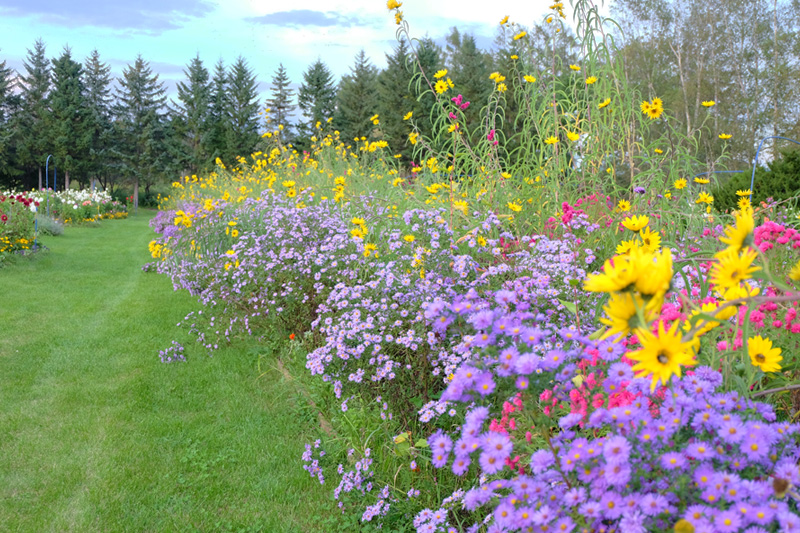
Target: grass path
x=96, y=434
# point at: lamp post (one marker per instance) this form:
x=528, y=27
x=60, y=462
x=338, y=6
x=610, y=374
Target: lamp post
x=47, y=179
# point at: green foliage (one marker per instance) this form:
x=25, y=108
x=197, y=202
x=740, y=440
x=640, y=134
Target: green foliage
x=140, y=124
x=242, y=110
x=70, y=119
x=395, y=99
x=192, y=115
x=780, y=181
x=49, y=226
x=30, y=124
x=97, y=80
x=357, y=100
x=316, y=100
x=280, y=103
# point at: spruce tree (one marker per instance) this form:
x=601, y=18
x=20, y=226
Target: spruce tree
x=190, y=122
x=395, y=100
x=316, y=100
x=242, y=110
x=357, y=100
x=140, y=113
x=218, y=123
x=280, y=104
x=30, y=128
x=8, y=106
x=70, y=119
x=97, y=80
x=469, y=70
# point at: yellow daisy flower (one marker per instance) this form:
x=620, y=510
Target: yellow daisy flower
x=709, y=103
x=590, y=80
x=733, y=268
x=662, y=355
x=604, y=103
x=680, y=184
x=636, y=222
x=763, y=355
x=551, y=140
x=624, y=205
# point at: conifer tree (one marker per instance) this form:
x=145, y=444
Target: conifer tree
x=97, y=80
x=357, y=100
x=190, y=122
x=30, y=128
x=218, y=123
x=469, y=70
x=8, y=106
x=70, y=119
x=395, y=100
x=242, y=110
x=316, y=100
x=280, y=103
x=140, y=114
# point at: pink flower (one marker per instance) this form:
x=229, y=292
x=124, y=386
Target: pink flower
x=490, y=136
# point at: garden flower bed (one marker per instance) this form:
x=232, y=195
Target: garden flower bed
x=511, y=348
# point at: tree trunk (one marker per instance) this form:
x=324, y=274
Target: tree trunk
x=136, y=195
x=66, y=180
x=40, y=178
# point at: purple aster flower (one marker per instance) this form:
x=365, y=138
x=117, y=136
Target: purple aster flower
x=541, y=460
x=574, y=496
x=653, y=504
x=611, y=504
x=490, y=464
x=564, y=525
x=790, y=523
x=498, y=445
x=482, y=319
x=633, y=522
x=673, y=461
x=728, y=521
x=527, y=363
x=616, y=450
x=702, y=451
x=591, y=510
x=484, y=384
x=440, y=442
x=617, y=474
x=505, y=515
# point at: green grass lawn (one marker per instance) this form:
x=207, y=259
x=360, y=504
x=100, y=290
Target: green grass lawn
x=96, y=434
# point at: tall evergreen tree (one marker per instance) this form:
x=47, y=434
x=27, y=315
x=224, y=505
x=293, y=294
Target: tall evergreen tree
x=469, y=70
x=97, y=80
x=316, y=100
x=30, y=128
x=242, y=110
x=218, y=122
x=8, y=106
x=280, y=103
x=190, y=121
x=357, y=100
x=395, y=99
x=70, y=119
x=140, y=114
x=429, y=60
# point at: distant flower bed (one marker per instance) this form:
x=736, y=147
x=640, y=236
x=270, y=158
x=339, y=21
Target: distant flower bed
x=80, y=206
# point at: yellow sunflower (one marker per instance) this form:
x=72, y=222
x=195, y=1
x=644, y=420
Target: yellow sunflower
x=618, y=274
x=763, y=355
x=663, y=354
x=659, y=273
x=794, y=274
x=733, y=268
x=636, y=222
x=704, y=198
x=651, y=240
x=680, y=184
x=622, y=315
x=741, y=234
x=624, y=205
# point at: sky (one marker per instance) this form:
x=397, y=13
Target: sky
x=169, y=33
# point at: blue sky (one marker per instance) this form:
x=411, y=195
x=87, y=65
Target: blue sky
x=169, y=33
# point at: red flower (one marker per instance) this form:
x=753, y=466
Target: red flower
x=291, y=337
x=4, y=218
